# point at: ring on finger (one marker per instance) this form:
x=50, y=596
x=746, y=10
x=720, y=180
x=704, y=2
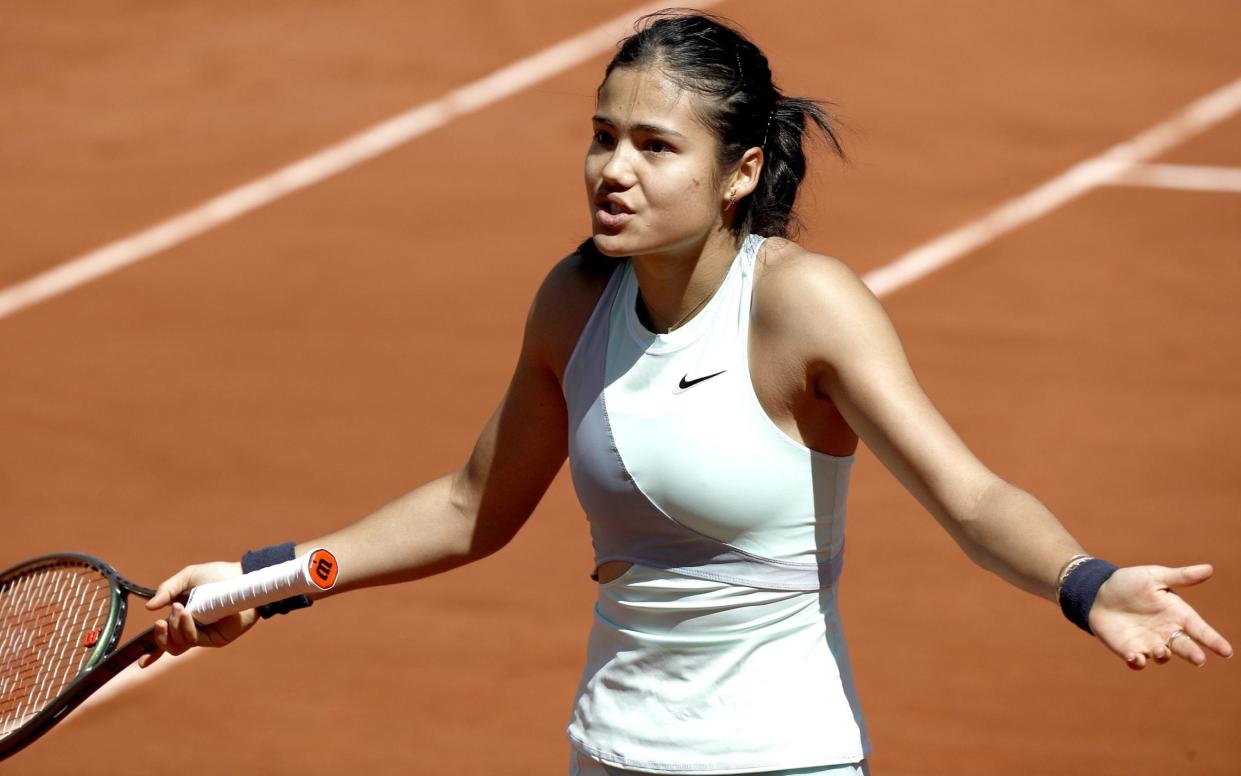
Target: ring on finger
x=1176, y=635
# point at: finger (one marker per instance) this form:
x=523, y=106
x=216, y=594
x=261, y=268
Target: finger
x=146, y=660
x=1187, y=575
x=1162, y=654
x=168, y=639
x=161, y=634
x=182, y=627
x=1199, y=631
x=1136, y=660
x=169, y=589
x=185, y=624
x=1207, y=636
x=175, y=640
x=1185, y=647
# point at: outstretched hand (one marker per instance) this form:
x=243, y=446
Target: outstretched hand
x=1139, y=616
x=179, y=632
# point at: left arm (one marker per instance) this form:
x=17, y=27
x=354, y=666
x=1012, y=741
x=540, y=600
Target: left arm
x=855, y=358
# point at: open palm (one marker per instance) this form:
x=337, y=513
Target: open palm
x=1139, y=616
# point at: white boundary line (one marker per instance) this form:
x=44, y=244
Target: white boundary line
x=331, y=161
x=1105, y=168
x=1186, y=177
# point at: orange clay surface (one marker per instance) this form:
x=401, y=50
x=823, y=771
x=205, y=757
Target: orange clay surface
x=298, y=367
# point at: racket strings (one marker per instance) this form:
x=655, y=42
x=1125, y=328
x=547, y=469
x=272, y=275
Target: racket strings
x=51, y=619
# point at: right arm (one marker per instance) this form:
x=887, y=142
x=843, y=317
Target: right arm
x=460, y=517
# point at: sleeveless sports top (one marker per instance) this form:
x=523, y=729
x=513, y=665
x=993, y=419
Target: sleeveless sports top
x=720, y=650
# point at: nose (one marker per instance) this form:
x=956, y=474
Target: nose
x=617, y=169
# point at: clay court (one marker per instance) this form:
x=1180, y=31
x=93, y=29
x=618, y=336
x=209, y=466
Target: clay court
x=298, y=361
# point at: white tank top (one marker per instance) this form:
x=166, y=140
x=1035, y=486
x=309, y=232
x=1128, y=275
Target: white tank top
x=721, y=649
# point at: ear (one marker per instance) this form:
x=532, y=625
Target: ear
x=744, y=179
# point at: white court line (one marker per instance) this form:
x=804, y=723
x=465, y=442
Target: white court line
x=1105, y=168
x=331, y=161
x=1187, y=177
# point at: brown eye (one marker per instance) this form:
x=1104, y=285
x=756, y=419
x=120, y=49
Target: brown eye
x=603, y=138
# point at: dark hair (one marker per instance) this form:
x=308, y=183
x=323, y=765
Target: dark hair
x=703, y=53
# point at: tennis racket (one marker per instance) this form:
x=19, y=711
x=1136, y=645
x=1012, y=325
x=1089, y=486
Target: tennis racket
x=61, y=617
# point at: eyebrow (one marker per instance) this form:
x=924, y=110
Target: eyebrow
x=653, y=129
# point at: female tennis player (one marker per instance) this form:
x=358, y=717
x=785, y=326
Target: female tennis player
x=708, y=380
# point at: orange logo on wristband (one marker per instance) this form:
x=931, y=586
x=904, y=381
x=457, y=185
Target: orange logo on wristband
x=323, y=569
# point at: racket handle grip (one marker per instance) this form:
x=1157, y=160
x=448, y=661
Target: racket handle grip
x=313, y=572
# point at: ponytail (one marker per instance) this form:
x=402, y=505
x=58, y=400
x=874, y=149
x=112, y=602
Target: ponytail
x=768, y=211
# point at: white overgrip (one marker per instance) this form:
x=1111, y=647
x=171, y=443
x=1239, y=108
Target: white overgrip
x=313, y=572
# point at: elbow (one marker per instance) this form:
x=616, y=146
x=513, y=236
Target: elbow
x=477, y=533
x=485, y=541
x=978, y=501
x=969, y=517
x=464, y=507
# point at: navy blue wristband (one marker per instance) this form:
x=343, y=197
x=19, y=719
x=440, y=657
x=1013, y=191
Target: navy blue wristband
x=1078, y=592
x=270, y=556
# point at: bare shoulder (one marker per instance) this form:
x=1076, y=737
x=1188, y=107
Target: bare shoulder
x=563, y=304
x=808, y=295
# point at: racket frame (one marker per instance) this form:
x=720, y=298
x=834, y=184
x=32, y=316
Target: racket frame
x=313, y=572
x=105, y=661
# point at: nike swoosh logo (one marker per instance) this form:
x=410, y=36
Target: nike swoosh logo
x=690, y=383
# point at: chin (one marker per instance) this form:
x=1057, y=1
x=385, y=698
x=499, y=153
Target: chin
x=611, y=245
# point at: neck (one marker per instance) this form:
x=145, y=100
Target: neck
x=674, y=285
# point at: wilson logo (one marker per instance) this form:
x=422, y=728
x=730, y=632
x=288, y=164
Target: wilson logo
x=323, y=569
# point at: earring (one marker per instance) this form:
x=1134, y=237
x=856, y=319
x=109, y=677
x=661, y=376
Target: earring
x=732, y=195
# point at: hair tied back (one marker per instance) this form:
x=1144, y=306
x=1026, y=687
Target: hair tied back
x=704, y=54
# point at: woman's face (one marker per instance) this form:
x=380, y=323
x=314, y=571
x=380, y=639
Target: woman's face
x=651, y=172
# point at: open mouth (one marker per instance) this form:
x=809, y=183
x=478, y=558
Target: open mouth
x=611, y=206
x=610, y=214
